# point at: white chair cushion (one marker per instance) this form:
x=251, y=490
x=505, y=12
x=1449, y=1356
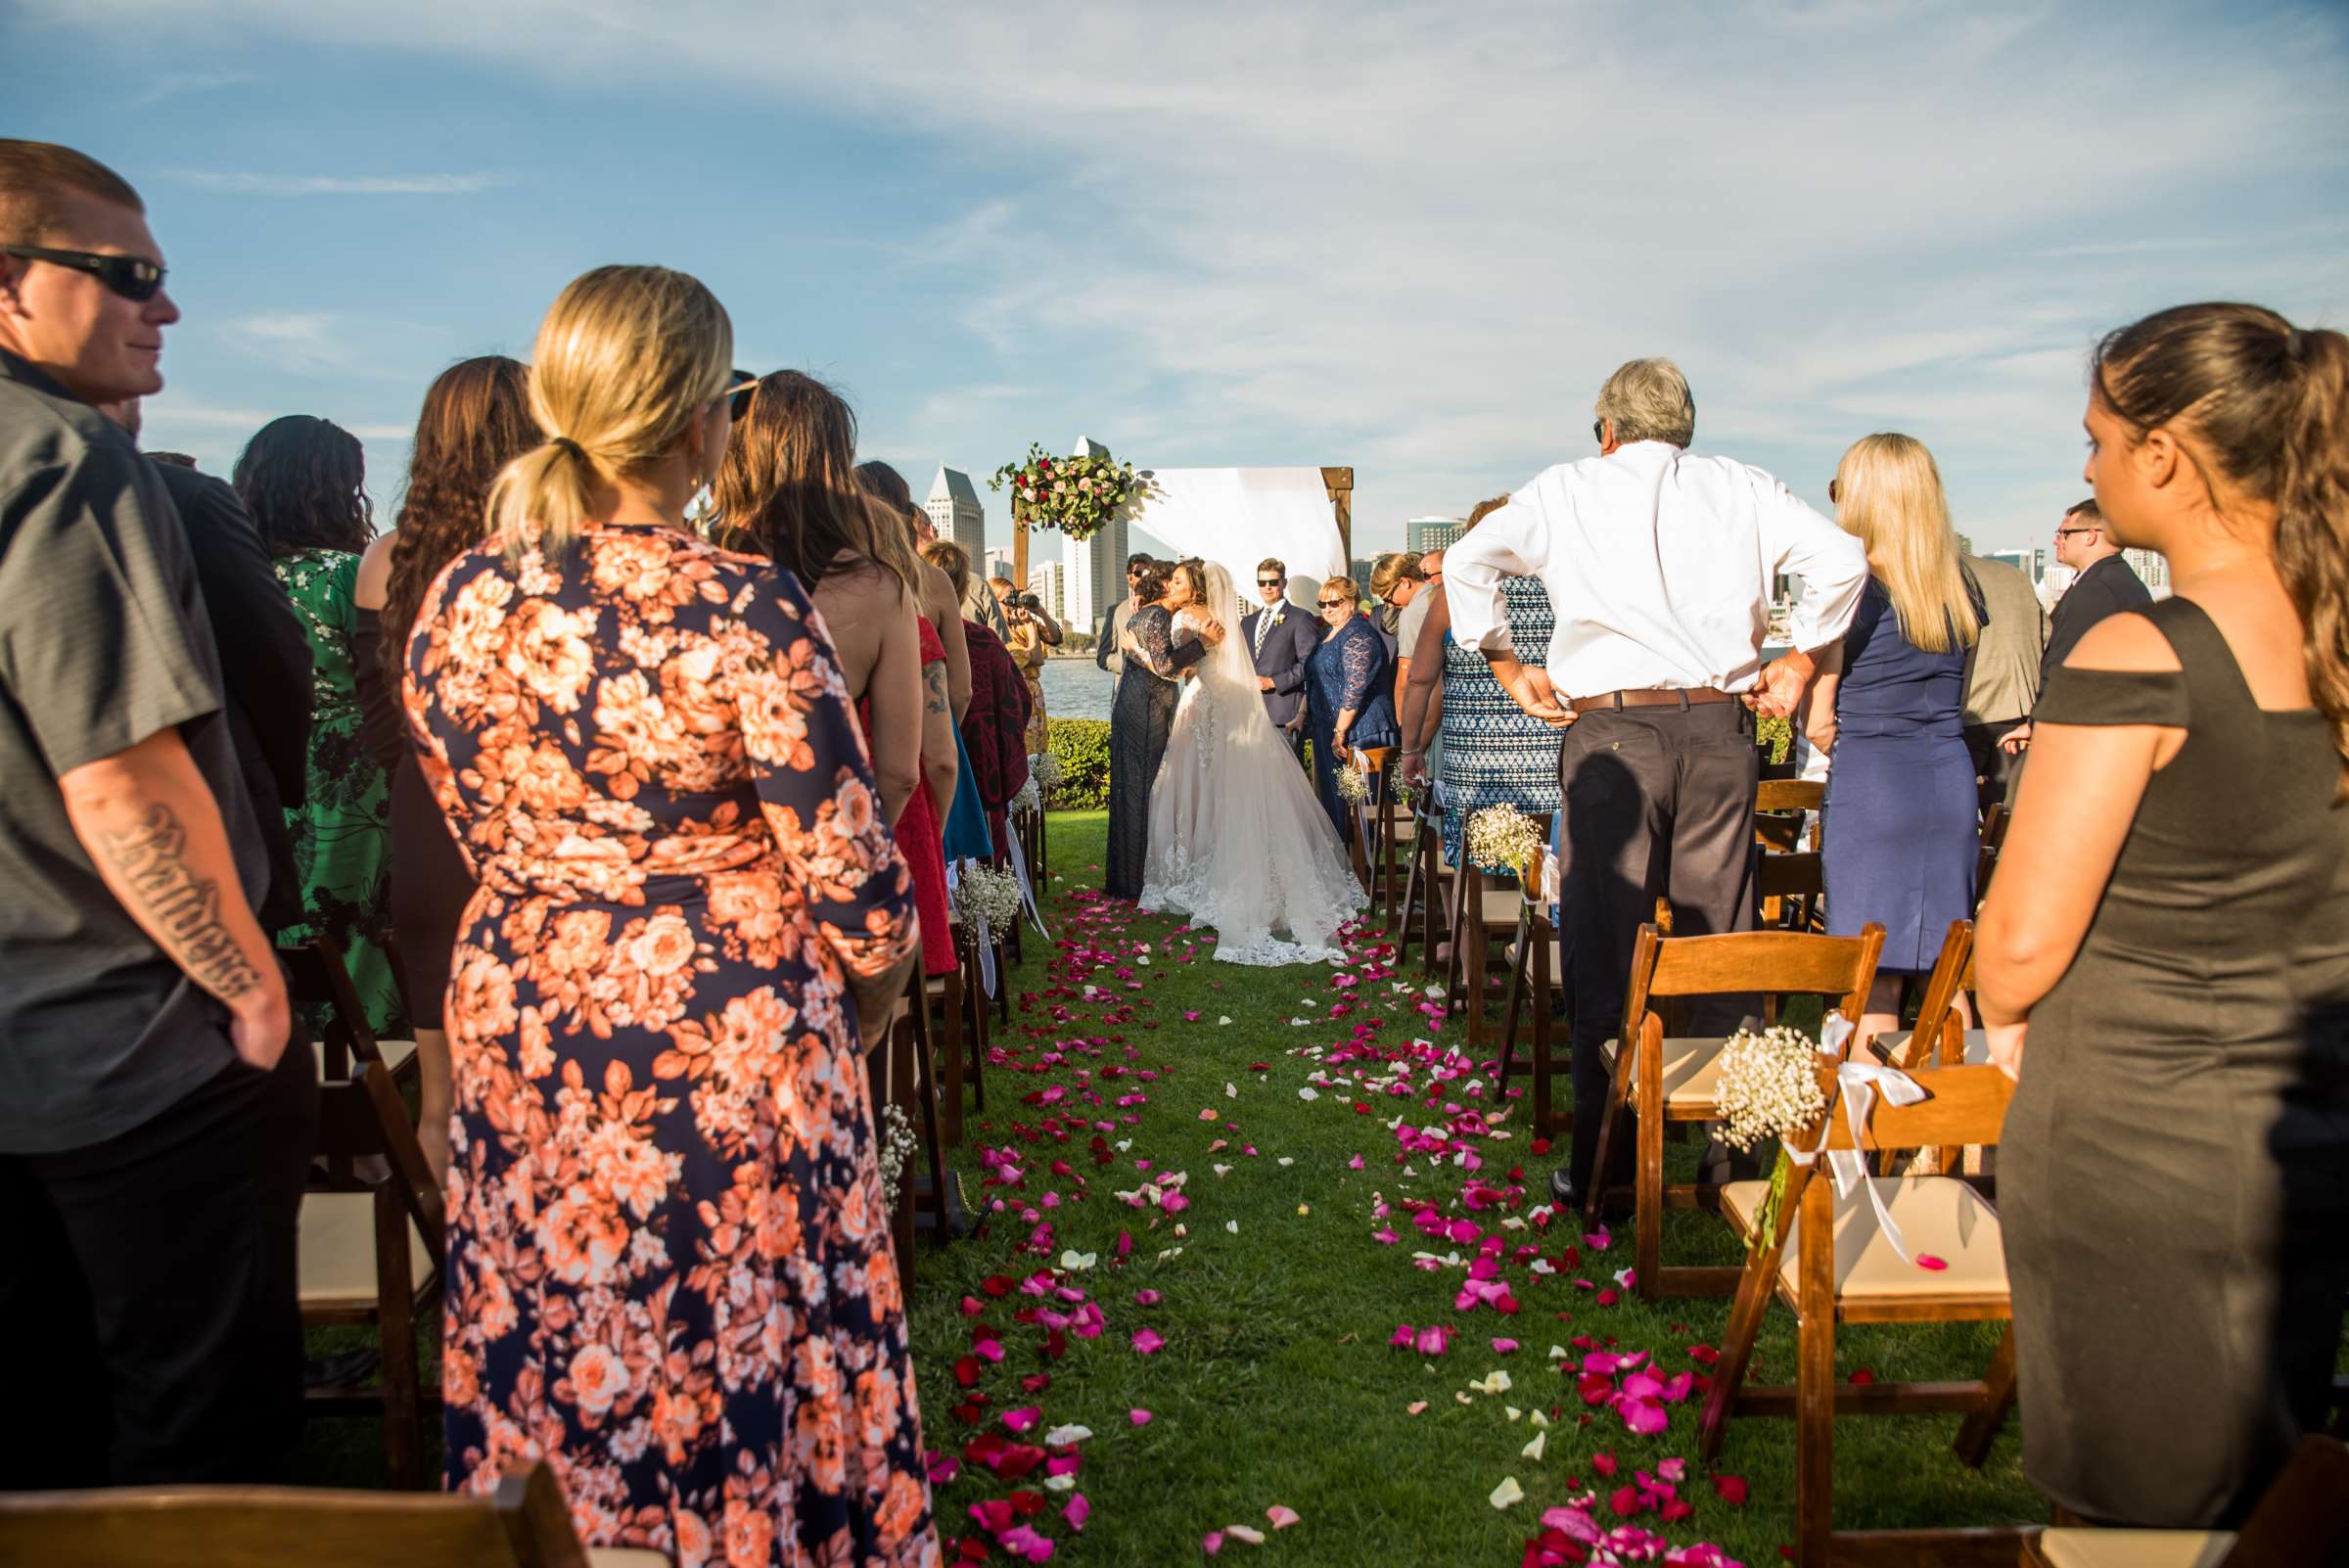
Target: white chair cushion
x=2136, y=1548
x=1937, y=1215
x=1557, y=956
x=1691, y=1072
x=1892, y=1044
x=1500, y=906
x=337, y=1251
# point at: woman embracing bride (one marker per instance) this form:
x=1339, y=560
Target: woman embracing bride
x=1237, y=839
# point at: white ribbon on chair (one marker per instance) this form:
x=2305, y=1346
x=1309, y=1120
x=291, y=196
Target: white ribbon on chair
x=1019, y=869
x=1857, y=1085
x=986, y=955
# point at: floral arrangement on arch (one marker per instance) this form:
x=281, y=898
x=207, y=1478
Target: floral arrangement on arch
x=1074, y=494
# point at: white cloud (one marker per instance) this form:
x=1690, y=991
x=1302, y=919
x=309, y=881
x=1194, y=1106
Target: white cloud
x=307, y=341
x=173, y=84
x=1416, y=237
x=237, y=184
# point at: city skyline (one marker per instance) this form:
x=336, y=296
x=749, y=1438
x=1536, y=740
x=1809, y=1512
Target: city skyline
x=982, y=243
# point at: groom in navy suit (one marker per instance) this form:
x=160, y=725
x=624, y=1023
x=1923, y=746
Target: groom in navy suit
x=1281, y=637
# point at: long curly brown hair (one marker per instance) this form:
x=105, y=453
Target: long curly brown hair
x=788, y=489
x=304, y=480
x=475, y=420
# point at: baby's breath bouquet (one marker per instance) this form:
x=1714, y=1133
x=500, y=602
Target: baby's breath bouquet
x=1503, y=836
x=897, y=1147
x=985, y=893
x=1028, y=801
x=1352, y=786
x=1045, y=769
x=1769, y=1089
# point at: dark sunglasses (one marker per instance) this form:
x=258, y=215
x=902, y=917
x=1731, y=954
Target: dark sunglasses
x=2065, y=533
x=134, y=277
x=1599, y=432
x=1332, y=603
x=738, y=394
x=1271, y=583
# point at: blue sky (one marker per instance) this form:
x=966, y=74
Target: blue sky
x=1412, y=239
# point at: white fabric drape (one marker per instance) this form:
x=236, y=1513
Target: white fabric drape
x=1236, y=517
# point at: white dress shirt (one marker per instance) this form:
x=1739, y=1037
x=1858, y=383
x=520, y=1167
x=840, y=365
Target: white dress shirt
x=1659, y=569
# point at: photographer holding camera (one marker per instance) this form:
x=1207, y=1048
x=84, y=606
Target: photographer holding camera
x=1031, y=630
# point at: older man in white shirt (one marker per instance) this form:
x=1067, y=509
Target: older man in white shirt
x=1659, y=567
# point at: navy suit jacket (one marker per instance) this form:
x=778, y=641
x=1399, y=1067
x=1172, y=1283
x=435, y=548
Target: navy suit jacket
x=1286, y=648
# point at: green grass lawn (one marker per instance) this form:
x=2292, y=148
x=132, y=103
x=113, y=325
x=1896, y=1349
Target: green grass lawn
x=1276, y=1385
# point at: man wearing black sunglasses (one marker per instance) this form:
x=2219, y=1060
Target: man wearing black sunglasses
x=157, y=1105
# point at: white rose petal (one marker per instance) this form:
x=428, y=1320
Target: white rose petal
x=1508, y=1493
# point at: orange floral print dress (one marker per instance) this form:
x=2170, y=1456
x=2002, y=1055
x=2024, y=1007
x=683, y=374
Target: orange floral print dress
x=669, y=1268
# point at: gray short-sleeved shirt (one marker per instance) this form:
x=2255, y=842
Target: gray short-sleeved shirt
x=103, y=643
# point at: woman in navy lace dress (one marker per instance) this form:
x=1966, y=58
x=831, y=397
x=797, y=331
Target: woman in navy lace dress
x=1348, y=700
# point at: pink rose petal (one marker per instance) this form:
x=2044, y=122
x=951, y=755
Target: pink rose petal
x=1281, y=1517
x=1147, y=1341
x=1077, y=1512
x=1212, y=1542
x=1502, y=1347
x=1138, y=1417
x=1925, y=1259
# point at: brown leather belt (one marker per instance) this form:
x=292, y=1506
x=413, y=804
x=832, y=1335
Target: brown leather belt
x=1652, y=698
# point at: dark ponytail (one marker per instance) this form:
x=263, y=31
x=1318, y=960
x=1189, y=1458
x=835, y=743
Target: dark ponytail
x=2270, y=405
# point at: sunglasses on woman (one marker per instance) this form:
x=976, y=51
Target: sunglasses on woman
x=134, y=277
x=1332, y=603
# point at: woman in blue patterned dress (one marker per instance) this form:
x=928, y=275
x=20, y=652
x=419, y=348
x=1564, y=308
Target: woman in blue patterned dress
x=1348, y=703
x=1492, y=753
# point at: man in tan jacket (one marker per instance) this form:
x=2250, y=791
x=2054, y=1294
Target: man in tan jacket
x=2003, y=686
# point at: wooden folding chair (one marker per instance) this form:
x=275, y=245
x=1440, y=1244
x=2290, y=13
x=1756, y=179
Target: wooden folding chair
x=1829, y=1259
x=1779, y=804
x=1658, y=1079
x=1994, y=839
x=1427, y=891
x=318, y=980
x=1484, y=916
x=2301, y=1521
x=371, y=1257
x=1788, y=887
x=526, y=1524
x=1390, y=827
x=1536, y=965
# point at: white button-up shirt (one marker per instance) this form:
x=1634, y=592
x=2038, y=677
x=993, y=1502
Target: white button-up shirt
x=1659, y=567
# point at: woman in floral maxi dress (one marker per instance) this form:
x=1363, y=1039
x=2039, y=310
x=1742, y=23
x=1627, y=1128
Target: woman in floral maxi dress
x=669, y=1266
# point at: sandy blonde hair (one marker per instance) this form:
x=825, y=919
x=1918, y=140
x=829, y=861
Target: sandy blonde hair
x=1891, y=501
x=627, y=357
x=1649, y=400
x=1345, y=588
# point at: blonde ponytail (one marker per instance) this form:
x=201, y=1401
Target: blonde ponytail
x=625, y=358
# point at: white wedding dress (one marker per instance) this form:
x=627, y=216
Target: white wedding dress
x=1237, y=839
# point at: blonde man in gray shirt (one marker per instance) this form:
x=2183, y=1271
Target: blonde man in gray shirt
x=2003, y=686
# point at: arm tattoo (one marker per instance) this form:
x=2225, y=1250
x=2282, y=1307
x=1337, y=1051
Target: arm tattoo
x=151, y=858
x=934, y=677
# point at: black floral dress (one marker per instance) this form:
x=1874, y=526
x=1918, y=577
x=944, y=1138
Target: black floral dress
x=1139, y=719
x=669, y=1265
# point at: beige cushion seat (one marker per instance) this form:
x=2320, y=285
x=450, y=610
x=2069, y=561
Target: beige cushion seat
x=397, y=1053
x=1500, y=906
x=1557, y=956
x=1892, y=1045
x=627, y=1558
x=1691, y=1074
x=1937, y=1215
x=2136, y=1548
x=338, y=1252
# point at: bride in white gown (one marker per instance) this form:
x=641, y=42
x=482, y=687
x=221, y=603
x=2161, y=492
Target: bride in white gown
x=1237, y=839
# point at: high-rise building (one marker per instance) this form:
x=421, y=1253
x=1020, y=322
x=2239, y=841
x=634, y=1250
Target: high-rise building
x=1050, y=583
x=2024, y=561
x=998, y=563
x=2152, y=568
x=1096, y=572
x=955, y=513
x=1425, y=534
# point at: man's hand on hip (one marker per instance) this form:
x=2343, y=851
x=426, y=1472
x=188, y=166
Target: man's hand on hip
x=1530, y=689
x=1781, y=690
x=2016, y=740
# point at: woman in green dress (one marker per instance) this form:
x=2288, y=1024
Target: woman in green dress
x=303, y=481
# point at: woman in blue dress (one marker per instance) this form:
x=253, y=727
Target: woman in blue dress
x=1348, y=698
x=1902, y=834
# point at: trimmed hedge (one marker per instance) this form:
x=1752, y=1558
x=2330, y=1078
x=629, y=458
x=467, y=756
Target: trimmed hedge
x=1082, y=746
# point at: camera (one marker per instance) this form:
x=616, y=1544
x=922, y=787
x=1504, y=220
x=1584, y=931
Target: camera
x=1024, y=601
